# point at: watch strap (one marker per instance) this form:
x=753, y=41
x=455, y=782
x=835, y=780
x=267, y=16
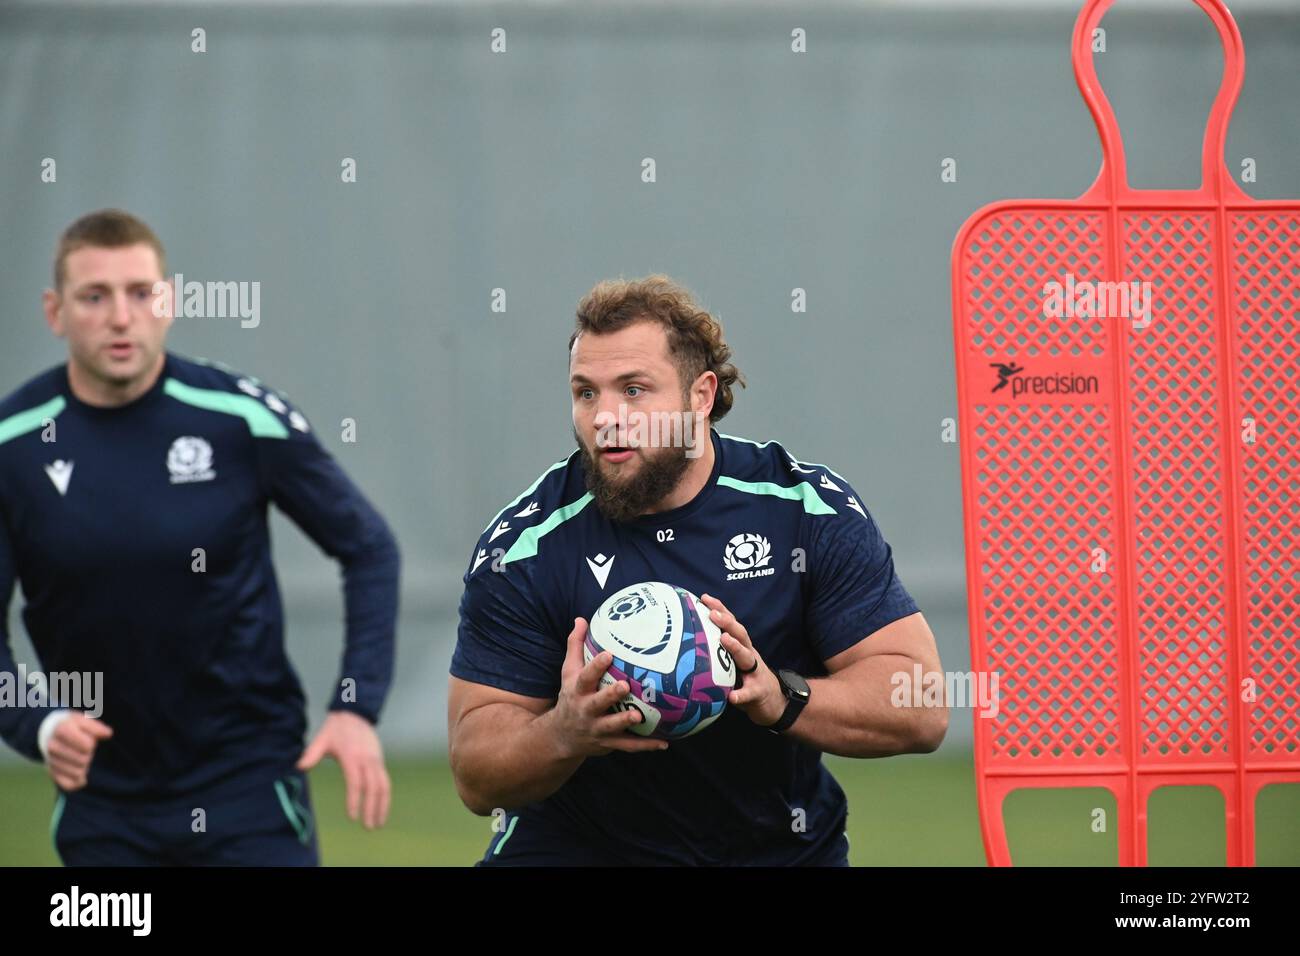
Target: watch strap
x=793, y=708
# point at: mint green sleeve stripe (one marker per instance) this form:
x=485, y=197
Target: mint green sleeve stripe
x=525, y=493
x=802, y=492
x=261, y=420
x=525, y=545
x=30, y=420
x=814, y=464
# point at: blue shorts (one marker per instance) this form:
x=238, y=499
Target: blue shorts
x=521, y=842
x=268, y=824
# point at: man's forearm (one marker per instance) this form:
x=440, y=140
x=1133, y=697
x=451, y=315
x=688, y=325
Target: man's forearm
x=503, y=756
x=851, y=713
x=371, y=579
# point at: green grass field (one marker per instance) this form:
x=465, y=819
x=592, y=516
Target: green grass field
x=903, y=811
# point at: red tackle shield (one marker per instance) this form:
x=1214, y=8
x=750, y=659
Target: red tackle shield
x=1128, y=387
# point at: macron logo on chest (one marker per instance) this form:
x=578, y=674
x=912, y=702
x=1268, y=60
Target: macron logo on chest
x=600, y=566
x=60, y=473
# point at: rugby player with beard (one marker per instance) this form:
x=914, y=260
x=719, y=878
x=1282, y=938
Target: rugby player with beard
x=785, y=556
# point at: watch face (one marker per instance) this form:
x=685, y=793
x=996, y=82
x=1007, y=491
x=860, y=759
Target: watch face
x=798, y=686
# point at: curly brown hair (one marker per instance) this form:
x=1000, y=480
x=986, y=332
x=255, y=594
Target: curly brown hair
x=694, y=336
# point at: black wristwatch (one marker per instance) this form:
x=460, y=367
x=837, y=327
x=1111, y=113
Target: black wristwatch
x=796, y=692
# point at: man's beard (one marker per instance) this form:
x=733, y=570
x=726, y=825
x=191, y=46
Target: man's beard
x=658, y=476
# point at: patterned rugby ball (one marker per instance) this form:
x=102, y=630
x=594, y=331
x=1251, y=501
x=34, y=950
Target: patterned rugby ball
x=669, y=652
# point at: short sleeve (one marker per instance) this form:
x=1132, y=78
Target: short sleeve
x=855, y=590
x=505, y=639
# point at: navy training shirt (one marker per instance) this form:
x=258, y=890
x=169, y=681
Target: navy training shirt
x=729, y=794
x=101, y=526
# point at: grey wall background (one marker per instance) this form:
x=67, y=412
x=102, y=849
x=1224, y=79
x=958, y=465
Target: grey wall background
x=522, y=171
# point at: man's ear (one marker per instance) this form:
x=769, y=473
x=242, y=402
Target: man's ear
x=52, y=305
x=704, y=392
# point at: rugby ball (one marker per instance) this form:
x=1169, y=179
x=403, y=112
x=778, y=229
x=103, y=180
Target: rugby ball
x=671, y=655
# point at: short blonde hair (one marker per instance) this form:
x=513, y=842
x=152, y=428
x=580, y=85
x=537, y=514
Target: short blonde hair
x=105, y=229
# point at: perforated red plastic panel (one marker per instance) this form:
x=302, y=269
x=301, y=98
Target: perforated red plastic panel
x=1131, y=481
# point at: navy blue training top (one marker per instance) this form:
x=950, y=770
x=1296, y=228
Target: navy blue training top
x=101, y=513
x=822, y=579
